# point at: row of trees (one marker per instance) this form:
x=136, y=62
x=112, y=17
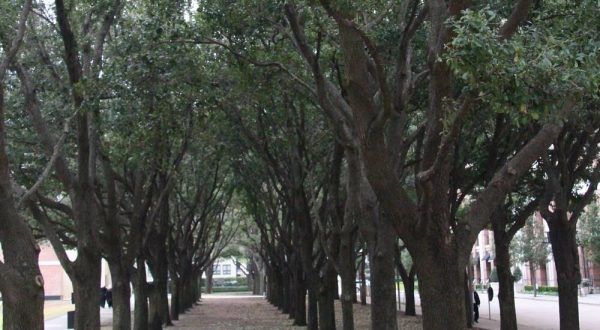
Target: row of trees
x=106, y=150
x=443, y=118
x=340, y=129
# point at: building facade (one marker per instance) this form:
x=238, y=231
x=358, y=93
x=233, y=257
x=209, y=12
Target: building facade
x=545, y=275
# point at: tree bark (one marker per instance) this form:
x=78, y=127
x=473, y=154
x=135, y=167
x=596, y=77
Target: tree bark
x=326, y=298
x=566, y=259
x=176, y=296
x=468, y=301
x=158, y=262
x=408, y=279
x=209, y=278
x=21, y=282
x=441, y=289
x=299, y=295
x=22, y=301
x=409, y=293
x=140, y=287
x=363, y=278
x=158, y=310
x=313, y=306
x=121, y=293
x=86, y=290
x=383, y=293
x=506, y=291
x=347, y=275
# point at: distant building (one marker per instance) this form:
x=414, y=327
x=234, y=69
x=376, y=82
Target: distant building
x=483, y=255
x=483, y=263
x=225, y=268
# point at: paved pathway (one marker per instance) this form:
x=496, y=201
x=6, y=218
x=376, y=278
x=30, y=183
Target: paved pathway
x=542, y=312
x=534, y=313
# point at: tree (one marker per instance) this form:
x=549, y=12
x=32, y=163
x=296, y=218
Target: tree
x=507, y=220
x=83, y=61
x=588, y=232
x=406, y=269
x=568, y=166
x=21, y=282
x=531, y=247
x=401, y=134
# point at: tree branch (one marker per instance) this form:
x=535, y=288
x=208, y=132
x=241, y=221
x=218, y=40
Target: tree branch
x=504, y=181
x=16, y=41
x=42, y=217
x=518, y=15
x=55, y=155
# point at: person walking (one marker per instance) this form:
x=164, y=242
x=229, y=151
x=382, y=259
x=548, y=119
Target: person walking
x=476, y=303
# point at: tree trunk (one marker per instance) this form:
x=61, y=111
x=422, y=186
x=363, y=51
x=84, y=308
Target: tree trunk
x=121, y=293
x=363, y=278
x=532, y=275
x=566, y=259
x=441, y=288
x=506, y=291
x=140, y=287
x=157, y=261
x=176, y=296
x=468, y=301
x=408, y=279
x=409, y=292
x=209, y=278
x=23, y=303
x=21, y=282
x=255, y=277
x=285, y=292
x=159, y=305
x=313, y=307
x=326, y=299
x=299, y=298
x=383, y=277
x=86, y=287
x=347, y=275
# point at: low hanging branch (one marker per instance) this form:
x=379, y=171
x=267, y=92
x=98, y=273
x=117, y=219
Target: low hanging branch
x=48, y=169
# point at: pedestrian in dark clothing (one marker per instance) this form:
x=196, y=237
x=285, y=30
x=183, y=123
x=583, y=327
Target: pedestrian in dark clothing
x=476, y=303
x=109, y=298
x=103, y=293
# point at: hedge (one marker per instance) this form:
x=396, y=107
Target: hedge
x=542, y=289
x=228, y=289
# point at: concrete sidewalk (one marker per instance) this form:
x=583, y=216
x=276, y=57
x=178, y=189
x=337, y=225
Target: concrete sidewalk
x=60, y=322
x=589, y=299
x=533, y=313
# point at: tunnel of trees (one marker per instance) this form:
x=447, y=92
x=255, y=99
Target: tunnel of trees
x=321, y=136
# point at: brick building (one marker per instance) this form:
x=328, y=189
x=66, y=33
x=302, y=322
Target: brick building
x=483, y=262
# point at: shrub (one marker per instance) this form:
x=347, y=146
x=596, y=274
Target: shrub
x=517, y=274
x=230, y=281
x=228, y=289
x=494, y=275
x=551, y=290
